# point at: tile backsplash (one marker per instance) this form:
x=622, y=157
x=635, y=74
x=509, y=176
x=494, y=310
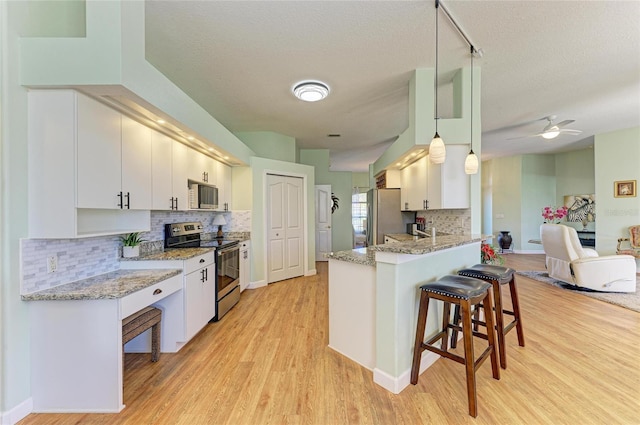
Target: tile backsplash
x=86, y=257
x=455, y=222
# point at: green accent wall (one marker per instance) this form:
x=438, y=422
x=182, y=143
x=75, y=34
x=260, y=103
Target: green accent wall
x=340, y=181
x=617, y=157
x=267, y=144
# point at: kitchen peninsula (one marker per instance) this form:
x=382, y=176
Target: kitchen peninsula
x=374, y=297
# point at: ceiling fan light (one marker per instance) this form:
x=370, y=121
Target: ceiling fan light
x=471, y=163
x=311, y=91
x=551, y=134
x=437, y=151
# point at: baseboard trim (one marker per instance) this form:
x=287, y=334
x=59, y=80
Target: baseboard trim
x=528, y=251
x=311, y=272
x=397, y=384
x=257, y=284
x=18, y=413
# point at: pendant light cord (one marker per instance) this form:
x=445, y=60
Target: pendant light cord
x=435, y=86
x=471, y=51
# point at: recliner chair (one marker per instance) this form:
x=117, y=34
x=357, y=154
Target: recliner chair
x=569, y=262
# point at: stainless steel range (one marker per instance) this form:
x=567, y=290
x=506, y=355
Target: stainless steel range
x=189, y=235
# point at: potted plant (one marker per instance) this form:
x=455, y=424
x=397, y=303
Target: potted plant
x=131, y=244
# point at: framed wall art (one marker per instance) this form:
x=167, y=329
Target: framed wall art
x=624, y=189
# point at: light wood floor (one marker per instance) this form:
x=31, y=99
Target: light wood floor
x=267, y=362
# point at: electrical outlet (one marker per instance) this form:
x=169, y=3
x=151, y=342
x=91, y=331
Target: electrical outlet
x=52, y=263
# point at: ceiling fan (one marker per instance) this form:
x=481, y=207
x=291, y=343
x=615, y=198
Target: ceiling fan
x=551, y=130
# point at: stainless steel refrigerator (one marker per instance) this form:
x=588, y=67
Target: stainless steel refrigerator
x=384, y=215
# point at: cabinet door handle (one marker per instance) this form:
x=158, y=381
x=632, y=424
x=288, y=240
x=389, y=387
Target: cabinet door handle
x=120, y=196
x=206, y=274
x=171, y=199
x=176, y=202
x=426, y=204
x=128, y=198
x=157, y=291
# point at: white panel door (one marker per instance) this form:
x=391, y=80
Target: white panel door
x=323, y=221
x=136, y=164
x=285, y=228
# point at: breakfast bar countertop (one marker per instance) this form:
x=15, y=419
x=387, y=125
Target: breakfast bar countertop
x=426, y=245
x=112, y=285
x=363, y=256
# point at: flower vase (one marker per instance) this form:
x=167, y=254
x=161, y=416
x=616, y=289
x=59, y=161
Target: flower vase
x=504, y=240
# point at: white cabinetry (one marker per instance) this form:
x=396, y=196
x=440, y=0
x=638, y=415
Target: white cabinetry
x=99, y=149
x=193, y=307
x=181, y=156
x=245, y=264
x=75, y=168
x=200, y=294
x=136, y=164
x=162, y=189
x=436, y=186
x=414, y=185
x=114, y=158
x=223, y=180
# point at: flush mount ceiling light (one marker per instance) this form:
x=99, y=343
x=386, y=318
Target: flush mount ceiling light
x=311, y=91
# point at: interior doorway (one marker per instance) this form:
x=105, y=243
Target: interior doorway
x=285, y=227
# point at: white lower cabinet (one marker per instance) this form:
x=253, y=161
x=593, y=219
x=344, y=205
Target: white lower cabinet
x=190, y=311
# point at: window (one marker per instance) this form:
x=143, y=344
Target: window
x=359, y=211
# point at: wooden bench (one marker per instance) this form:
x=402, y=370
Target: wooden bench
x=134, y=325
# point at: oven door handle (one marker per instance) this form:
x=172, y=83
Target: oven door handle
x=227, y=250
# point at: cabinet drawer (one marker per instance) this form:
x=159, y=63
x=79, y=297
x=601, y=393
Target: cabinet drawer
x=147, y=296
x=196, y=263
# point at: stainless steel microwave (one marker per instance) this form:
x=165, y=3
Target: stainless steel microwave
x=203, y=196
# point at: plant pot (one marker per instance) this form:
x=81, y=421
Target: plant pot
x=130, y=251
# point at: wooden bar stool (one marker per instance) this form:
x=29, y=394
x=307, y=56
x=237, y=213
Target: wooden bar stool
x=463, y=292
x=134, y=325
x=497, y=276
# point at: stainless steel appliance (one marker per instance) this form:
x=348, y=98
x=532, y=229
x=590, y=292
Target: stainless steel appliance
x=202, y=196
x=384, y=215
x=188, y=235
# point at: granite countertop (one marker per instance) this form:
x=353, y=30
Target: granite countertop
x=112, y=285
x=427, y=245
x=171, y=254
x=362, y=256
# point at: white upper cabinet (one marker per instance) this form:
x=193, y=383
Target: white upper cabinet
x=75, y=169
x=99, y=151
x=436, y=186
x=414, y=185
x=223, y=180
x=448, y=183
x=114, y=159
x=136, y=165
x=181, y=157
x=161, y=171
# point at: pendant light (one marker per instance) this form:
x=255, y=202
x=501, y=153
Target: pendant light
x=437, y=151
x=471, y=162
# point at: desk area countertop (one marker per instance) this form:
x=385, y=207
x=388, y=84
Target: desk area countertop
x=113, y=285
x=171, y=254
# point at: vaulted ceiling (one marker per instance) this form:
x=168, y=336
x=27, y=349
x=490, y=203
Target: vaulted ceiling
x=577, y=60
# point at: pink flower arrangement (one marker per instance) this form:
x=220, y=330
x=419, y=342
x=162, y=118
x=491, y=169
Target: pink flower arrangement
x=553, y=214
